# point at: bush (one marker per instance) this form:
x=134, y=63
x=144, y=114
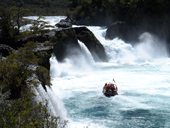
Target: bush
x=13, y=77
x=18, y=108
x=24, y=113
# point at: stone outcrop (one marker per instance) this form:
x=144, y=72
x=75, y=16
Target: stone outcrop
x=92, y=43
x=65, y=41
x=5, y=50
x=33, y=38
x=64, y=23
x=123, y=31
x=43, y=51
x=130, y=33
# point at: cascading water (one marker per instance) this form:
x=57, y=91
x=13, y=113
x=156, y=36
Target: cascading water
x=55, y=105
x=141, y=73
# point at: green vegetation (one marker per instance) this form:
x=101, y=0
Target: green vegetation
x=25, y=113
x=6, y=26
x=137, y=15
x=39, y=26
x=18, y=107
x=93, y=10
x=106, y=11
x=27, y=67
x=100, y=12
x=10, y=23
x=39, y=7
x=20, y=73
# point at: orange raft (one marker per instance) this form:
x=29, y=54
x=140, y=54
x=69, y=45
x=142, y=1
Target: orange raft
x=110, y=89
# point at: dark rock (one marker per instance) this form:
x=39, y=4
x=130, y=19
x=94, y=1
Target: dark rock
x=92, y=43
x=65, y=43
x=122, y=30
x=43, y=51
x=64, y=23
x=168, y=44
x=5, y=50
x=15, y=92
x=33, y=38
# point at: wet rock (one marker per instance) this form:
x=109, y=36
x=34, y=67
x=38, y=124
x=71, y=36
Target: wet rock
x=65, y=42
x=33, y=38
x=92, y=43
x=64, y=23
x=124, y=31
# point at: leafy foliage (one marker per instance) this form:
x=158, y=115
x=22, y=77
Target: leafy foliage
x=15, y=71
x=17, y=13
x=6, y=27
x=11, y=20
x=17, y=105
x=25, y=113
x=104, y=11
x=39, y=25
x=39, y=7
x=18, y=76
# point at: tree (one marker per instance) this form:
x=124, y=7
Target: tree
x=39, y=25
x=18, y=108
x=17, y=14
x=10, y=24
x=7, y=31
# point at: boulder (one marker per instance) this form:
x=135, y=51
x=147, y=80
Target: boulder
x=122, y=30
x=33, y=38
x=65, y=42
x=5, y=50
x=43, y=51
x=64, y=23
x=92, y=43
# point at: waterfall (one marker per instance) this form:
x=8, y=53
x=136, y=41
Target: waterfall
x=55, y=105
x=148, y=48
x=86, y=53
x=142, y=78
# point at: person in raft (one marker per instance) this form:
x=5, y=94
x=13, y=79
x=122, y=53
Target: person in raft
x=110, y=89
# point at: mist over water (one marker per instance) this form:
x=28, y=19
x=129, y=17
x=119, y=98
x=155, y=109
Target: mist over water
x=141, y=73
x=148, y=48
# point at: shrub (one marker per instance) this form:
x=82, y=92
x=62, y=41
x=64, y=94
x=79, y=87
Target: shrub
x=18, y=108
x=25, y=113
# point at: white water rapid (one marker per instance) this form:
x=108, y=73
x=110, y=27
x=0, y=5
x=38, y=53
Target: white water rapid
x=141, y=73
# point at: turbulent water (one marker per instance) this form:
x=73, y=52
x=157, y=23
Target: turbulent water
x=141, y=73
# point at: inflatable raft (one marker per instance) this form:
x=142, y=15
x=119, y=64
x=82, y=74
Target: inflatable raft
x=110, y=89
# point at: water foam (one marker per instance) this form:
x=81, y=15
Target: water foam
x=143, y=84
x=146, y=50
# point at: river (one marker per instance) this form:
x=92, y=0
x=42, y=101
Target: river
x=142, y=75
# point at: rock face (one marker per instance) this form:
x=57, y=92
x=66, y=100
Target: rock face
x=33, y=38
x=43, y=51
x=123, y=31
x=65, y=41
x=130, y=33
x=5, y=50
x=92, y=43
x=64, y=23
